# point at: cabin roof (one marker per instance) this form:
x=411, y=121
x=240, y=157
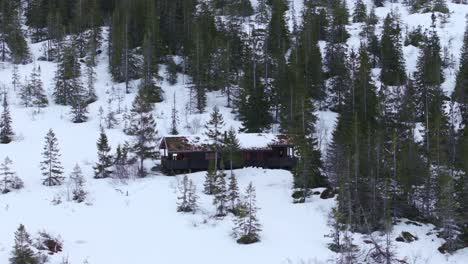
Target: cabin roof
x=247, y=141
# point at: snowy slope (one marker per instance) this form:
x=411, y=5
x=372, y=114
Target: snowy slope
x=137, y=222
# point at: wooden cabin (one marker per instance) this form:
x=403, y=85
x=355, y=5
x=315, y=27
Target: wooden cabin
x=193, y=153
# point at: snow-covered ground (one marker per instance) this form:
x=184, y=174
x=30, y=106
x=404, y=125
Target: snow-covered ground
x=136, y=221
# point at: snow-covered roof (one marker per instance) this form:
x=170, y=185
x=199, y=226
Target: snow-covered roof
x=252, y=141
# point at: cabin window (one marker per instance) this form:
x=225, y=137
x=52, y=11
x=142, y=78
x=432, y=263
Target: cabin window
x=209, y=156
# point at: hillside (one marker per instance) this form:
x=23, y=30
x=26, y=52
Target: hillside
x=135, y=220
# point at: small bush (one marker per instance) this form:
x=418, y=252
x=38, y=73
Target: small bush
x=47, y=242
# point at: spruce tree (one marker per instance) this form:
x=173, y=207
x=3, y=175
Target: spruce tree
x=174, y=118
x=214, y=131
x=210, y=179
x=338, y=69
x=6, y=175
x=220, y=195
x=68, y=89
x=460, y=93
x=153, y=93
x=187, y=199
x=11, y=33
x=253, y=104
x=51, y=166
x=39, y=99
x=121, y=161
x=91, y=96
x=360, y=12
x=247, y=226
x=15, y=78
x=78, y=181
x=6, y=130
x=232, y=147
x=393, y=63
x=430, y=108
x=103, y=167
x=339, y=19
x=143, y=128
x=22, y=252
x=233, y=194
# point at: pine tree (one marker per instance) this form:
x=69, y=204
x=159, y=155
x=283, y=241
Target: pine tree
x=247, y=226
x=105, y=160
x=68, y=88
x=22, y=250
x=338, y=69
x=231, y=147
x=78, y=181
x=233, y=194
x=393, y=64
x=12, y=34
x=213, y=130
x=153, y=93
x=6, y=130
x=143, y=127
x=174, y=118
x=91, y=96
x=110, y=119
x=210, y=179
x=253, y=104
x=460, y=94
x=171, y=71
x=6, y=175
x=39, y=99
x=187, y=199
x=121, y=162
x=360, y=12
x=220, y=195
x=339, y=19
x=26, y=93
x=446, y=210
x=15, y=78
x=51, y=166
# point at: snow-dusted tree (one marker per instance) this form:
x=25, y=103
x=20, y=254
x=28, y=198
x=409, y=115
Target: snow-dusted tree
x=247, y=226
x=26, y=93
x=210, y=179
x=79, y=108
x=220, y=200
x=233, y=194
x=15, y=78
x=68, y=87
x=22, y=252
x=6, y=175
x=360, y=12
x=213, y=130
x=143, y=127
x=111, y=119
x=90, y=81
x=51, y=166
x=102, y=169
x=174, y=118
x=77, y=182
x=6, y=130
x=121, y=162
x=39, y=97
x=187, y=199
x=337, y=227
